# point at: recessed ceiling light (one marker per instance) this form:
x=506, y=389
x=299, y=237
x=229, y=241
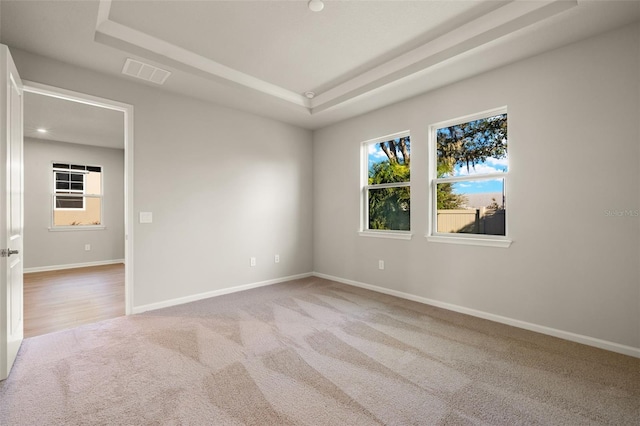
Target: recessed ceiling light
x=316, y=5
x=310, y=94
x=41, y=130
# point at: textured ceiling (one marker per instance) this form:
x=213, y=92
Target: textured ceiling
x=260, y=56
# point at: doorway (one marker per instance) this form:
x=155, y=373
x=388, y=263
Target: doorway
x=78, y=236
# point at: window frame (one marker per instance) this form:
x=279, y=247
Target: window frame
x=365, y=188
x=81, y=194
x=71, y=192
x=432, y=235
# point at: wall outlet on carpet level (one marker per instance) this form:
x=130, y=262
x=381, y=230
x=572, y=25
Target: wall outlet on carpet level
x=87, y=247
x=380, y=264
x=276, y=258
x=252, y=261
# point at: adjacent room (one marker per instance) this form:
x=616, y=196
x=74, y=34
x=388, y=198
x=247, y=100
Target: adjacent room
x=320, y=212
x=74, y=214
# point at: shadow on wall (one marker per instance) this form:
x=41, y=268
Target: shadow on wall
x=482, y=220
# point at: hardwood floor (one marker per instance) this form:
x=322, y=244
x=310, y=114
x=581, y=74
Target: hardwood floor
x=57, y=300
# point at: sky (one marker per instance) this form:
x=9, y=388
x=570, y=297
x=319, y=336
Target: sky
x=478, y=187
x=376, y=155
x=492, y=165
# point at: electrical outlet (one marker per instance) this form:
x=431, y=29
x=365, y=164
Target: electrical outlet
x=252, y=261
x=276, y=258
x=380, y=264
x=87, y=247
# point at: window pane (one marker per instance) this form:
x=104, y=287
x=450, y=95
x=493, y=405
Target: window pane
x=89, y=215
x=94, y=183
x=388, y=162
x=390, y=209
x=68, y=202
x=473, y=148
x=77, y=198
x=471, y=207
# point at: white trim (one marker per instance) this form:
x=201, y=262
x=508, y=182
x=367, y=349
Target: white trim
x=388, y=185
x=214, y=293
x=394, y=235
x=471, y=35
x=77, y=228
x=58, y=169
x=70, y=95
x=470, y=117
x=129, y=213
x=188, y=58
x=72, y=266
x=464, y=178
x=365, y=187
x=75, y=193
x=453, y=238
x=127, y=110
x=566, y=335
x=469, y=241
x=104, y=9
x=392, y=136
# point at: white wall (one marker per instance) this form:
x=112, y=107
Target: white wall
x=574, y=153
x=45, y=248
x=222, y=185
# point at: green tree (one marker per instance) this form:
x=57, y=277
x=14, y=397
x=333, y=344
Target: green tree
x=446, y=198
x=390, y=208
x=471, y=143
x=467, y=144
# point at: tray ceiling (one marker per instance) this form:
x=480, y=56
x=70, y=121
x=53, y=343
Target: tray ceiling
x=283, y=49
x=286, y=44
x=262, y=56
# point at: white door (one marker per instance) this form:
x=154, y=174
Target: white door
x=11, y=217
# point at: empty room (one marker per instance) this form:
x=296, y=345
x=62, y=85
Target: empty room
x=320, y=212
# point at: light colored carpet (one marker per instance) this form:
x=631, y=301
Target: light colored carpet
x=314, y=352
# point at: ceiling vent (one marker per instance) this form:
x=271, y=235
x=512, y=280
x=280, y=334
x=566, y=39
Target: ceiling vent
x=145, y=72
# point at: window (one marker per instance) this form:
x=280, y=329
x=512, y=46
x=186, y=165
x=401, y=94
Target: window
x=469, y=174
x=77, y=195
x=386, y=188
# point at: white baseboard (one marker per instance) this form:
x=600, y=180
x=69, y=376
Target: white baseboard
x=72, y=266
x=214, y=293
x=566, y=335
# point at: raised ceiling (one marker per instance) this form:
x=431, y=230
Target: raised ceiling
x=286, y=44
x=261, y=56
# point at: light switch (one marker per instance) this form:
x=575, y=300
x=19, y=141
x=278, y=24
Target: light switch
x=146, y=217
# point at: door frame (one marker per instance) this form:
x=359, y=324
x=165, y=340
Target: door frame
x=127, y=109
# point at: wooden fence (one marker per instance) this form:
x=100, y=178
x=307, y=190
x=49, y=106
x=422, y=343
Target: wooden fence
x=472, y=221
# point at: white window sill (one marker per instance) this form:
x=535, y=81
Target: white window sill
x=469, y=241
x=395, y=235
x=78, y=228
